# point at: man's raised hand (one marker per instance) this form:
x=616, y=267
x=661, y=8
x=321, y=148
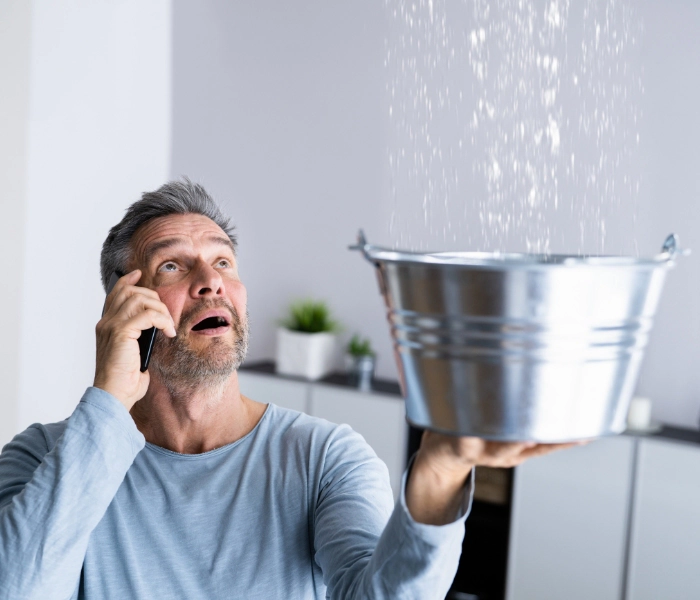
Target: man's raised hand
x=129, y=310
x=435, y=488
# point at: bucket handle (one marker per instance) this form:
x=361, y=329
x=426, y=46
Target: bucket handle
x=361, y=245
x=671, y=249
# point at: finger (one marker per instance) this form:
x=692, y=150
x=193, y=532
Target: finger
x=125, y=295
x=120, y=294
x=114, y=292
x=125, y=282
x=145, y=320
x=506, y=449
x=128, y=279
x=543, y=449
x=138, y=303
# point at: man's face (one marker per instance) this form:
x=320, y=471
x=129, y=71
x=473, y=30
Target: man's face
x=189, y=261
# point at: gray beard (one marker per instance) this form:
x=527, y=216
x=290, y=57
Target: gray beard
x=183, y=370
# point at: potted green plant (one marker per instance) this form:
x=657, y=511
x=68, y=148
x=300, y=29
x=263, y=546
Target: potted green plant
x=362, y=361
x=306, y=340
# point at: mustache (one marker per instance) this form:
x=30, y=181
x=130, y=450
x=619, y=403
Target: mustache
x=189, y=316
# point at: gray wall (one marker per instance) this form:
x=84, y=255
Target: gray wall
x=15, y=27
x=82, y=134
x=671, y=199
x=279, y=109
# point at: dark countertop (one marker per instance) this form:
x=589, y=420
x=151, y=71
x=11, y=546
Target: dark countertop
x=381, y=386
x=676, y=434
x=390, y=387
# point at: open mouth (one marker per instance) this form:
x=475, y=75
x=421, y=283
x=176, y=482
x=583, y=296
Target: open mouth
x=210, y=323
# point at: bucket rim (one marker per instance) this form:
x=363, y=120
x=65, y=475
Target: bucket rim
x=514, y=260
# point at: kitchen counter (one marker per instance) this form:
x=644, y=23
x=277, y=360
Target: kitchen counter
x=675, y=434
x=381, y=386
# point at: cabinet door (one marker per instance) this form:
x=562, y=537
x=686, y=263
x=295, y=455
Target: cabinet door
x=269, y=388
x=665, y=548
x=569, y=523
x=379, y=418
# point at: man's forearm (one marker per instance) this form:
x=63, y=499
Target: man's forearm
x=45, y=523
x=434, y=497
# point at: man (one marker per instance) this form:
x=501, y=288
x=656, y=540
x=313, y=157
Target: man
x=171, y=484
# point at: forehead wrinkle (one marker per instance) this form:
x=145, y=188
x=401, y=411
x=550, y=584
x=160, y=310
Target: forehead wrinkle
x=155, y=247
x=222, y=241
x=185, y=229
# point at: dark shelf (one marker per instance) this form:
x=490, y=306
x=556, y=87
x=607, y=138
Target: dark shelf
x=382, y=386
x=677, y=434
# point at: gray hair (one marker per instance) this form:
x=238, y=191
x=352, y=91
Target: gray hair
x=174, y=198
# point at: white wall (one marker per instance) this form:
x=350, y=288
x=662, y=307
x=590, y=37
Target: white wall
x=278, y=109
x=671, y=195
x=15, y=28
x=98, y=135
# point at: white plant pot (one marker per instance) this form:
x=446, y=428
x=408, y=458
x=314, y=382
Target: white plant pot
x=309, y=355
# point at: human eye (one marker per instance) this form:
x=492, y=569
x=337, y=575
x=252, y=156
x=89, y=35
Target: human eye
x=223, y=263
x=167, y=267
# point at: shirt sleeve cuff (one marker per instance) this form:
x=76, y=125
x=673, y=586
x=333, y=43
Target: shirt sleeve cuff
x=105, y=402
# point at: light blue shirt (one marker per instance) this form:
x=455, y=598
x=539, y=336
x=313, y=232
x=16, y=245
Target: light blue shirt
x=298, y=508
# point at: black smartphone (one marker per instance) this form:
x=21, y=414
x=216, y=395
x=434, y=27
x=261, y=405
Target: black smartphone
x=147, y=336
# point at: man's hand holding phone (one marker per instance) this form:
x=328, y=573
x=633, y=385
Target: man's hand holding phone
x=129, y=310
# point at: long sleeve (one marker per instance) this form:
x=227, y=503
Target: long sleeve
x=51, y=498
x=365, y=549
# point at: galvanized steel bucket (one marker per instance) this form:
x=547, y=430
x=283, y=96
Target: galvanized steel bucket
x=519, y=346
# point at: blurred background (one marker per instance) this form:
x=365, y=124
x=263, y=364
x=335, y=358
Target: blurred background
x=281, y=110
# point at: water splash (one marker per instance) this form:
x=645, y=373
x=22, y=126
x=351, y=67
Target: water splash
x=514, y=123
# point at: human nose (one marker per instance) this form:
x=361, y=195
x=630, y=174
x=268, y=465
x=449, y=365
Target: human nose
x=207, y=281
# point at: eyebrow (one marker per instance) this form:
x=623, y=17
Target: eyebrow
x=156, y=247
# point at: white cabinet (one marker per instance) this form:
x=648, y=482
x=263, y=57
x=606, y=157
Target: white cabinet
x=569, y=523
x=665, y=548
x=287, y=393
x=379, y=418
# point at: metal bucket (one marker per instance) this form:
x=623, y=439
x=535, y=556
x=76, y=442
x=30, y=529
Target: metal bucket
x=519, y=346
